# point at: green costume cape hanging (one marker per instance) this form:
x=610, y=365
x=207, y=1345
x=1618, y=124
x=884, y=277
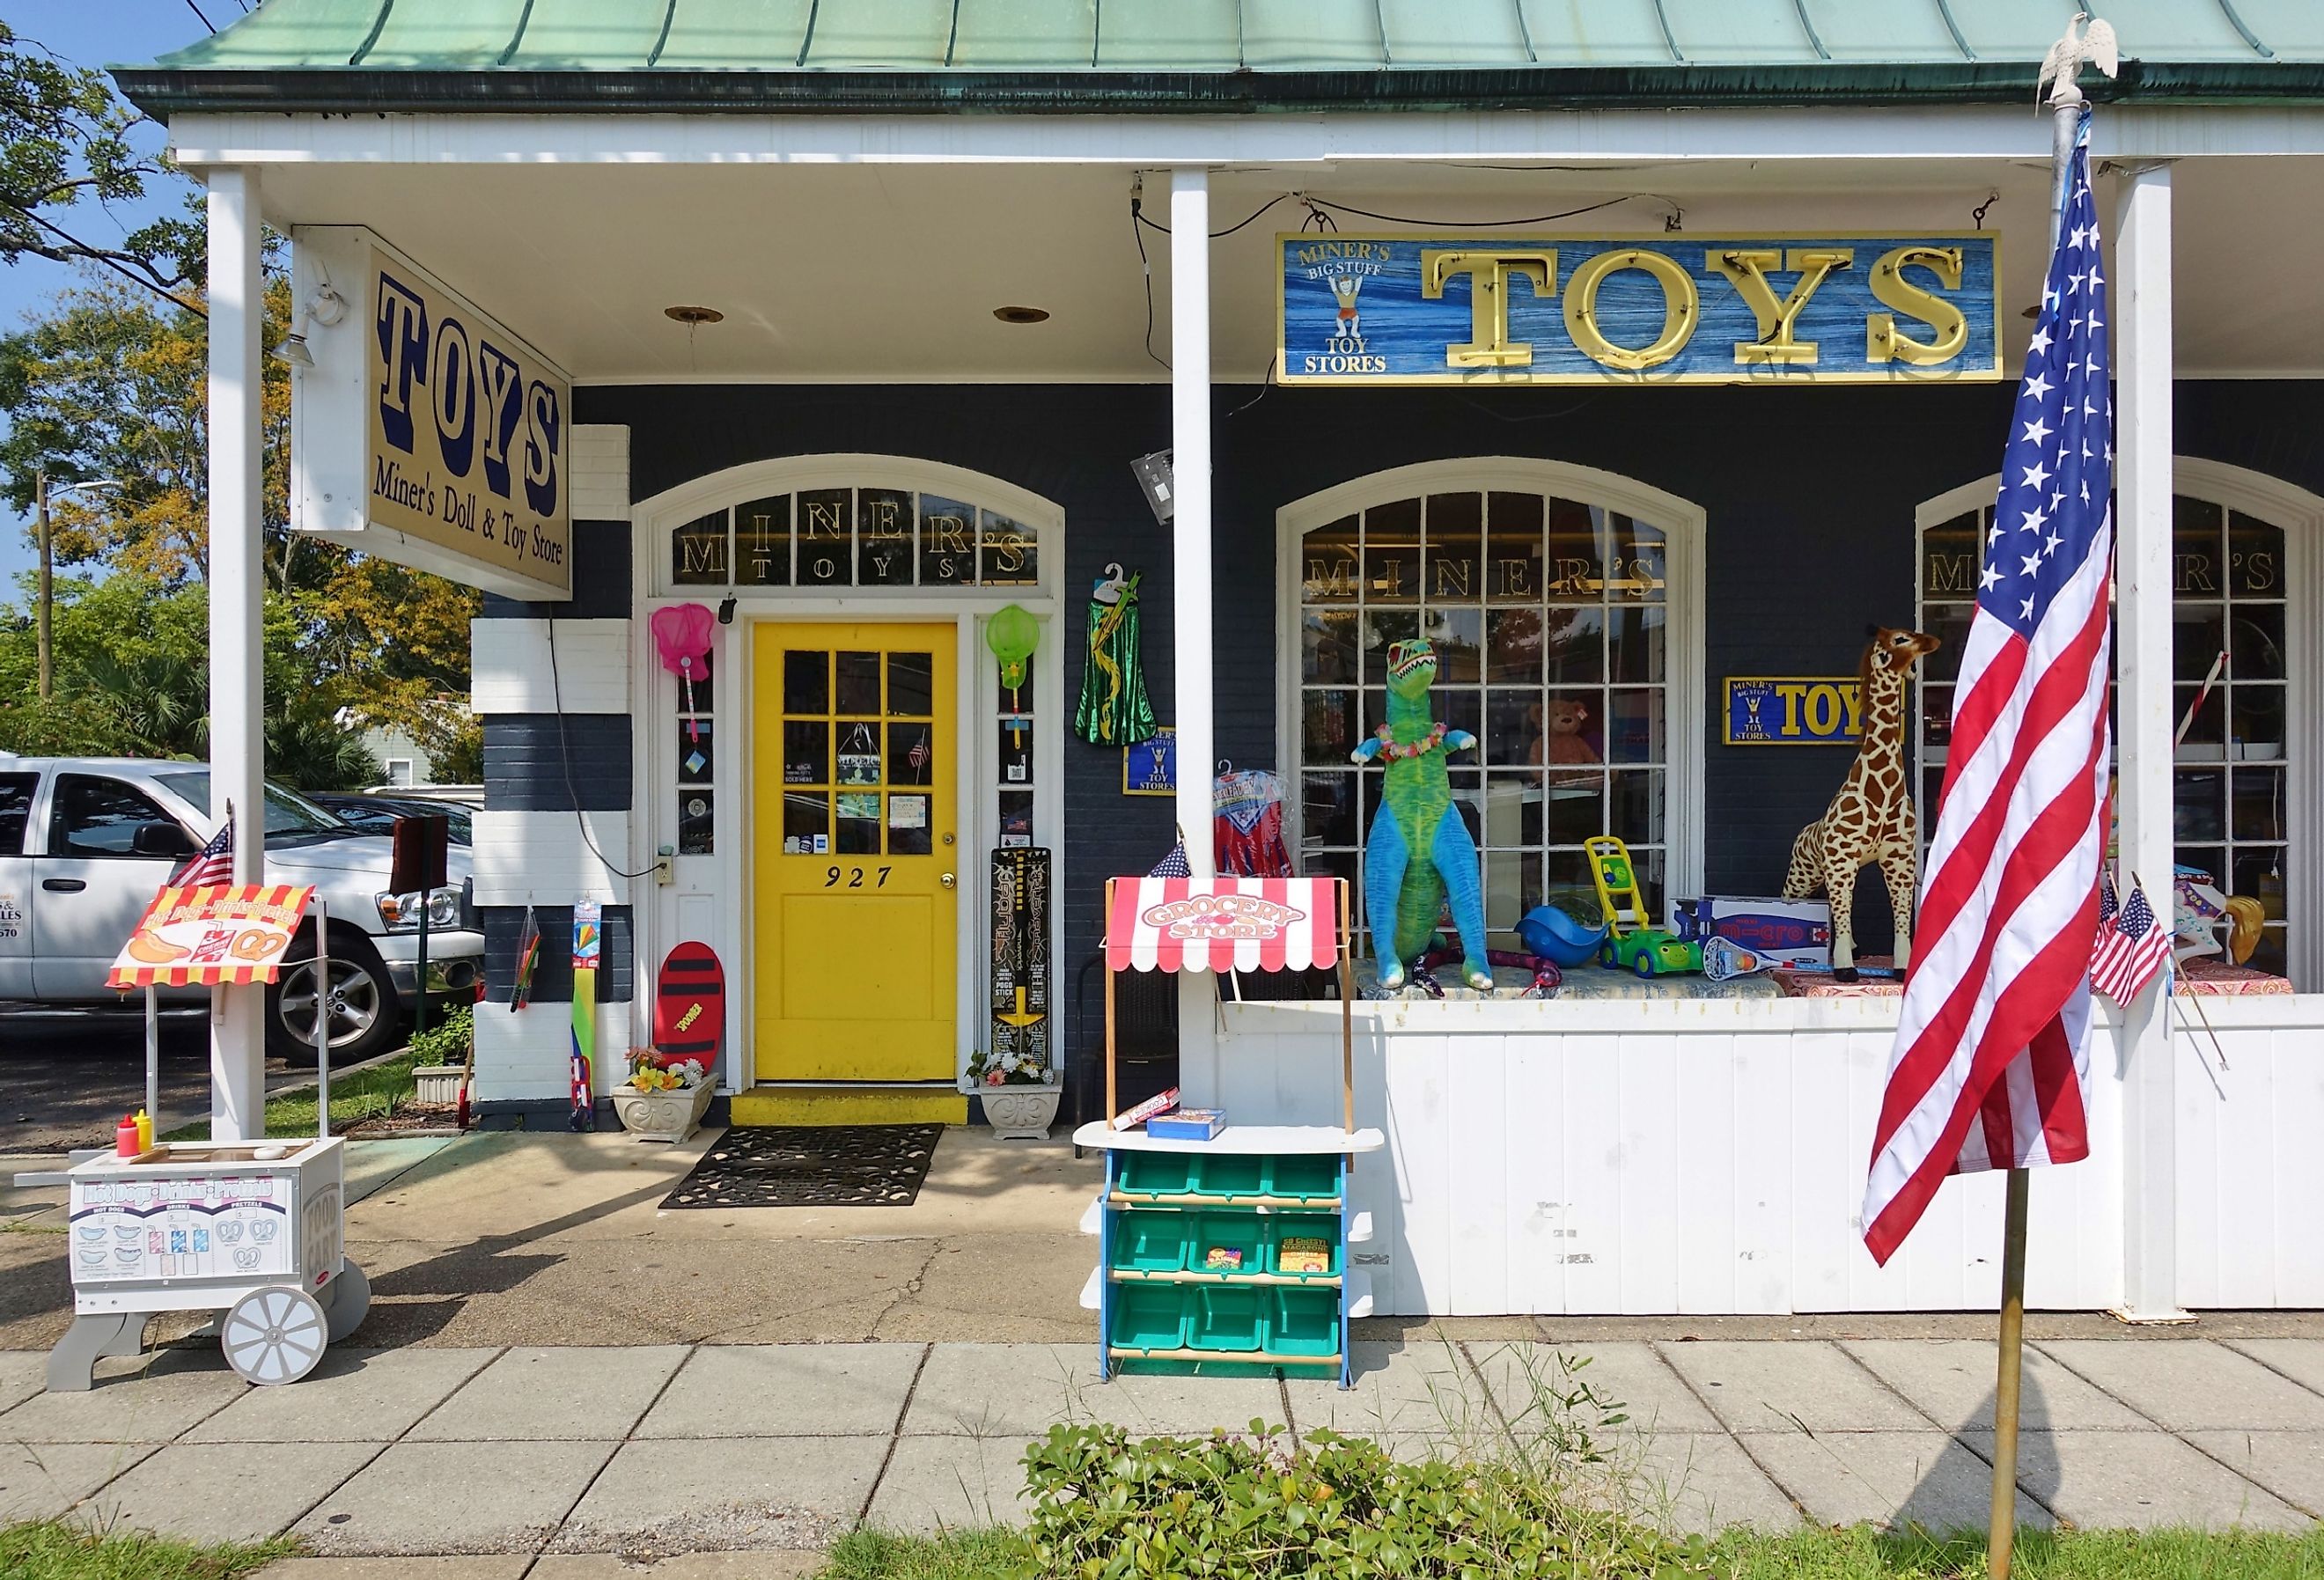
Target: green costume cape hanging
x=1114, y=711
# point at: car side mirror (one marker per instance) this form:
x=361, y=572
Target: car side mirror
x=159, y=839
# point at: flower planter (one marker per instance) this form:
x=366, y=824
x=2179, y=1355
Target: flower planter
x=662, y=1116
x=439, y=1085
x=1020, y=1114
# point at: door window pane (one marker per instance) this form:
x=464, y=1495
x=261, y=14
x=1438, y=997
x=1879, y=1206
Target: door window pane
x=697, y=551
x=696, y=823
x=806, y=752
x=911, y=753
x=912, y=685
x=807, y=822
x=762, y=542
x=884, y=537
x=825, y=531
x=948, y=542
x=859, y=683
x=858, y=830
x=1008, y=555
x=101, y=817
x=806, y=682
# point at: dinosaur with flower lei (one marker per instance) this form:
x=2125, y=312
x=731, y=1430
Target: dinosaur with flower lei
x=1419, y=853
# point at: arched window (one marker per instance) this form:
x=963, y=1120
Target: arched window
x=2243, y=565
x=1562, y=604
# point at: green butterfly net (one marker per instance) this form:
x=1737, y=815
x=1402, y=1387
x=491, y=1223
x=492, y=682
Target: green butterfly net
x=1011, y=634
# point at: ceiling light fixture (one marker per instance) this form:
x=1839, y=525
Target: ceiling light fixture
x=691, y=315
x=1021, y=314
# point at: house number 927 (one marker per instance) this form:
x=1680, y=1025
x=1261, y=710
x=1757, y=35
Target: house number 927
x=854, y=876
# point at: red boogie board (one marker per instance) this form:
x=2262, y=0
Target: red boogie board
x=690, y=1007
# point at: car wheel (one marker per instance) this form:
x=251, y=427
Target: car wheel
x=1606, y=958
x=364, y=1016
x=1644, y=966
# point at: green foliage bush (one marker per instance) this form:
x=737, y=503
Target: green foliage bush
x=446, y=1042
x=1255, y=1508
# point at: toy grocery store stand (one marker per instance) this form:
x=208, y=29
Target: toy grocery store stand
x=1228, y=1256
x=254, y=1229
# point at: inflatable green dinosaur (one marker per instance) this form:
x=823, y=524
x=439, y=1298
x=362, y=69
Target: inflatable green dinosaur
x=1419, y=852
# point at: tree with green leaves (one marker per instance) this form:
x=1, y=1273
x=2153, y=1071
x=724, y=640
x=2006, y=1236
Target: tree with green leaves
x=66, y=140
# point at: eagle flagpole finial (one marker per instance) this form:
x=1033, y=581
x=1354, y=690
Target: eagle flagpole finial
x=2081, y=46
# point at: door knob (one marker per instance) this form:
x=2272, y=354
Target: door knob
x=947, y=880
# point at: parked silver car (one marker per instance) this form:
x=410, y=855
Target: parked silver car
x=85, y=843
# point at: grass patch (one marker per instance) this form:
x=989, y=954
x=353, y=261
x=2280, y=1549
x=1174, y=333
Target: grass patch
x=1858, y=1553
x=370, y=1092
x=49, y=1549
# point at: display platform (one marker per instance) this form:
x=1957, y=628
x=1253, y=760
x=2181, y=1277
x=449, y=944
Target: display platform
x=2201, y=978
x=1594, y=982
x=1230, y=1256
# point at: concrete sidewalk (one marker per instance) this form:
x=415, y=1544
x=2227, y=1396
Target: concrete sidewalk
x=655, y=1450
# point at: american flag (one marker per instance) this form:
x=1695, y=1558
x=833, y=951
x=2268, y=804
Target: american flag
x=2131, y=945
x=1991, y=1068
x=213, y=864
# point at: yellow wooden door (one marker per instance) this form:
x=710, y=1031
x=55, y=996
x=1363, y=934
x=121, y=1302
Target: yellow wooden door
x=855, y=762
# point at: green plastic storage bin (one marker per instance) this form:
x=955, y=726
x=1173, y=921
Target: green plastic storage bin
x=1245, y=1232
x=1149, y=1317
x=1305, y=1174
x=1155, y=1173
x=1230, y=1173
x=1149, y=1242
x=1304, y=1322
x=1227, y=1318
x=1282, y=1226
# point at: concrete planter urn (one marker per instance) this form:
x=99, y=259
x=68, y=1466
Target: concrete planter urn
x=662, y=1116
x=1020, y=1114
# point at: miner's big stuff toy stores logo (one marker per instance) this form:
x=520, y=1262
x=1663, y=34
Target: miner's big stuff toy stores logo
x=1222, y=916
x=468, y=428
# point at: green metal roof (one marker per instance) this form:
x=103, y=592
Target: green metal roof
x=1159, y=54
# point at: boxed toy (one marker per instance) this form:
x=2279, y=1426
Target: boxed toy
x=1790, y=932
x=1187, y=1124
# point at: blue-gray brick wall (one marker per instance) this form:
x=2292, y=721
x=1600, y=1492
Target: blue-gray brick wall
x=552, y=978
x=551, y=763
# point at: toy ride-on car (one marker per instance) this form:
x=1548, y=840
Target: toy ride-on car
x=1650, y=952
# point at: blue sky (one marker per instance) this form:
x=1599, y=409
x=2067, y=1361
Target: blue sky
x=92, y=33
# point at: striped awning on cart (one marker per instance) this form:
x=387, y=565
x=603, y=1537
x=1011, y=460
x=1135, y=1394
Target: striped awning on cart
x=1223, y=924
x=218, y=934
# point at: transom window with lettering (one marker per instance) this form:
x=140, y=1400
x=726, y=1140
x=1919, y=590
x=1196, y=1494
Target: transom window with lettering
x=854, y=537
x=1551, y=621
x=2232, y=716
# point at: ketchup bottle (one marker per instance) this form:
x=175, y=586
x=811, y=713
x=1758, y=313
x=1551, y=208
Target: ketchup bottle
x=125, y=1137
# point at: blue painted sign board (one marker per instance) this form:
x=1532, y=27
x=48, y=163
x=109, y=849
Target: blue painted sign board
x=1408, y=310
x=1793, y=710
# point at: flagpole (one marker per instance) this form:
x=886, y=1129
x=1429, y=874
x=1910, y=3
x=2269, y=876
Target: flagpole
x=2001, y=1528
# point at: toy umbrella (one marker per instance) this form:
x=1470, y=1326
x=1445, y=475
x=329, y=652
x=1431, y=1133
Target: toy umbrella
x=682, y=636
x=1114, y=710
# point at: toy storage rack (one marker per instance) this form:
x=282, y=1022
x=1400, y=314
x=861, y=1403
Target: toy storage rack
x=1167, y=1203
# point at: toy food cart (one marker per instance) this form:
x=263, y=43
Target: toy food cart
x=250, y=1228
x=1228, y=1255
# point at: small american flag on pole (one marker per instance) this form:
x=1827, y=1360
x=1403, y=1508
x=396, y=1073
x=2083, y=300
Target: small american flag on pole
x=1991, y=1066
x=2132, y=945
x=215, y=864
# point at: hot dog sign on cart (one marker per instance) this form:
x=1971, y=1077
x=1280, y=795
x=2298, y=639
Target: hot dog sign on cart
x=255, y=1229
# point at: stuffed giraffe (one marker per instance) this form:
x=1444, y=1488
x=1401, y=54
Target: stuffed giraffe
x=1871, y=818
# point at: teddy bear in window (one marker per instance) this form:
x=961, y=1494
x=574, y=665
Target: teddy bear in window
x=1559, y=737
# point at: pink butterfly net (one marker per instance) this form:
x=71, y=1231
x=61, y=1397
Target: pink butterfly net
x=682, y=634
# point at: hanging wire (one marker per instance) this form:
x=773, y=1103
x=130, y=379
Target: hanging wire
x=1230, y=230
x=1490, y=224
x=1146, y=268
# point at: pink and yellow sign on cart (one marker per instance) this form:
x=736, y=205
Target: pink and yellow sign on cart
x=215, y=936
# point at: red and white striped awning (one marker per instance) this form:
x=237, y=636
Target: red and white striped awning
x=1221, y=924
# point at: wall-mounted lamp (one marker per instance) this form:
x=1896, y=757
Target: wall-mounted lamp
x=326, y=306
x=1154, y=477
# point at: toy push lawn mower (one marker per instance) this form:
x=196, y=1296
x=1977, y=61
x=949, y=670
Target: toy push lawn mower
x=1630, y=943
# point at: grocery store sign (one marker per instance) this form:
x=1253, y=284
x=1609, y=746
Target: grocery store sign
x=1409, y=309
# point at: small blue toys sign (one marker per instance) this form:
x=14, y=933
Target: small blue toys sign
x=1150, y=768
x=1797, y=710
x=1408, y=310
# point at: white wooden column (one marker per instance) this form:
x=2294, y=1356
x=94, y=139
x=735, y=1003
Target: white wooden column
x=237, y=718
x=2145, y=715
x=1190, y=526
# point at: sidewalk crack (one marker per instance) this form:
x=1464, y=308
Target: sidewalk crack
x=1959, y=1436
x=895, y=1433
x=1732, y=1435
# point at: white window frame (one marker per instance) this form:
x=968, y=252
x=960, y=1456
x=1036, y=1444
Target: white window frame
x=2300, y=515
x=656, y=727
x=1682, y=524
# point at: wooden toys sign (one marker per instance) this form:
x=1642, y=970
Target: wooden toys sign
x=1411, y=308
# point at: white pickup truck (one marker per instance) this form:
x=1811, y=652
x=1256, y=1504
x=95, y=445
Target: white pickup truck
x=85, y=843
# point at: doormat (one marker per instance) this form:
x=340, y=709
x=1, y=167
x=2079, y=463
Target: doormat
x=812, y=1166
